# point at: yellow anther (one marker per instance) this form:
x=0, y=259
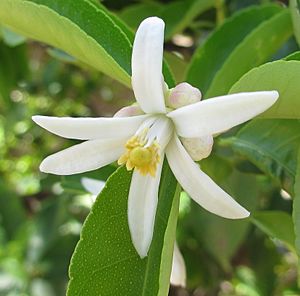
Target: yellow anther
x=144, y=159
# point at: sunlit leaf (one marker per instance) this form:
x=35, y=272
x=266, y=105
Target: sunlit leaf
x=281, y=76
x=96, y=42
x=100, y=42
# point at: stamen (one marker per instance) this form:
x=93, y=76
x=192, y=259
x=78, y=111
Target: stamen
x=144, y=149
x=144, y=159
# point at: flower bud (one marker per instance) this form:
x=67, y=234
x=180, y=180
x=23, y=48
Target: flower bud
x=198, y=148
x=128, y=111
x=178, y=274
x=183, y=94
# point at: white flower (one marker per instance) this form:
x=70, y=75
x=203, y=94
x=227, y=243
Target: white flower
x=142, y=141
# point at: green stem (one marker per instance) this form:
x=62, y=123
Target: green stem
x=220, y=11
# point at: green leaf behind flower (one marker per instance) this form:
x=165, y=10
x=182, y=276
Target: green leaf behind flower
x=105, y=261
x=177, y=15
x=282, y=76
x=245, y=40
x=276, y=224
x=256, y=48
x=272, y=145
x=295, y=12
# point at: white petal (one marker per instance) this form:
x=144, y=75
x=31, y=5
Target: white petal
x=90, y=128
x=178, y=274
x=161, y=131
x=92, y=186
x=219, y=114
x=142, y=203
x=147, y=55
x=83, y=157
x=199, y=186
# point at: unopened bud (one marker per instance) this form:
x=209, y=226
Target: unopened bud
x=183, y=94
x=178, y=274
x=198, y=148
x=129, y=111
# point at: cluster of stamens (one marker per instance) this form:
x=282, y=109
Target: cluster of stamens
x=141, y=155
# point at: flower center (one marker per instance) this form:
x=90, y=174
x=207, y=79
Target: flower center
x=145, y=149
x=141, y=156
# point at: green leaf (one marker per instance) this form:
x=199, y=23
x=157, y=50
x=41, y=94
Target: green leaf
x=295, y=56
x=90, y=36
x=103, y=42
x=222, y=237
x=178, y=15
x=168, y=75
x=276, y=224
x=282, y=76
x=133, y=15
x=272, y=146
x=295, y=12
x=243, y=28
x=128, y=31
x=296, y=207
x=256, y=48
x=177, y=64
x=13, y=68
x=105, y=261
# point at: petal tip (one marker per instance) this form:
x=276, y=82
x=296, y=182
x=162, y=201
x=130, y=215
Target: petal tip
x=142, y=255
x=275, y=95
x=270, y=96
x=46, y=166
x=142, y=250
x=43, y=166
x=36, y=118
x=153, y=20
x=242, y=214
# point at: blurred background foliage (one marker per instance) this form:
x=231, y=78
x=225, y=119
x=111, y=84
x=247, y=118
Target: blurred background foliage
x=41, y=215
